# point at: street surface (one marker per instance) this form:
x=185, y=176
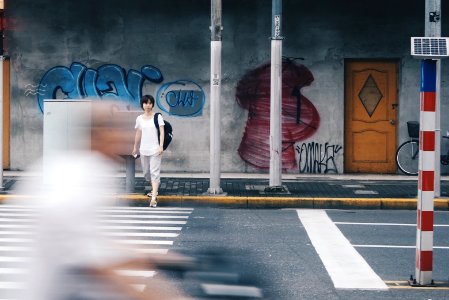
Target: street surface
x=276, y=250
x=146, y=230
x=274, y=246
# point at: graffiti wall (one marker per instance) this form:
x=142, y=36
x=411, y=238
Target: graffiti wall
x=111, y=49
x=300, y=118
x=318, y=158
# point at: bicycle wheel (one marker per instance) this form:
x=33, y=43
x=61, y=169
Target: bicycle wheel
x=407, y=157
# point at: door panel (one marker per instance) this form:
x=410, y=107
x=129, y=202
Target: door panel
x=370, y=116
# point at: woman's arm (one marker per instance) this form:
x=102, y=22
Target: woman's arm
x=137, y=139
x=161, y=138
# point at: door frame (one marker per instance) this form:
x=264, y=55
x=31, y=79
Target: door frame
x=395, y=61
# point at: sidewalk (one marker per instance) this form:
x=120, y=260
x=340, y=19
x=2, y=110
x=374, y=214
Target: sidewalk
x=343, y=191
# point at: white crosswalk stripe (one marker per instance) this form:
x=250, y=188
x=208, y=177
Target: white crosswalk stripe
x=148, y=230
x=144, y=222
x=345, y=266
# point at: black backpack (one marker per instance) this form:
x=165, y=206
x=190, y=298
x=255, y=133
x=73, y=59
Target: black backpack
x=168, y=131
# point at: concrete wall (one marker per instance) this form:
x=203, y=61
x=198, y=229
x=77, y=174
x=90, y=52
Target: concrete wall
x=45, y=37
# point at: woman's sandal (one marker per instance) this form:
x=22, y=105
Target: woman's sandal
x=153, y=203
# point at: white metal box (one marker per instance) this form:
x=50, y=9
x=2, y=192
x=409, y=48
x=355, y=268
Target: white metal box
x=67, y=127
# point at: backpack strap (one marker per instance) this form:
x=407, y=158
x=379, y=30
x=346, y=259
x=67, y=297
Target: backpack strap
x=156, y=123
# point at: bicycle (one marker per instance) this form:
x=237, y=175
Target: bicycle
x=407, y=155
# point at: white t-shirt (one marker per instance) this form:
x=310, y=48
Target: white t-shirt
x=149, y=143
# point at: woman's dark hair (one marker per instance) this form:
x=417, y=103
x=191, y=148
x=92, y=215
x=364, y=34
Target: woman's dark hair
x=146, y=99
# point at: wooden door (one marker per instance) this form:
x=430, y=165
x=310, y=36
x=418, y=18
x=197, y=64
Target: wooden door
x=370, y=116
x=6, y=118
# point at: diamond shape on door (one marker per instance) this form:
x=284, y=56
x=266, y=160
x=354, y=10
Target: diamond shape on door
x=370, y=95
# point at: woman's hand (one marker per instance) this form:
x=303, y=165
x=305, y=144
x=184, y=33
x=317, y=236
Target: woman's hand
x=161, y=150
x=134, y=153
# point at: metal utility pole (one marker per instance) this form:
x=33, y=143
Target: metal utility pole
x=426, y=175
x=276, y=96
x=215, y=88
x=432, y=28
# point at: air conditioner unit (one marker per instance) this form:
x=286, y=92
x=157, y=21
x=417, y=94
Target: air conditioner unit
x=429, y=47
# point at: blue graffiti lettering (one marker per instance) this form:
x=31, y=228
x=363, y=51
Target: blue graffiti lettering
x=112, y=83
x=187, y=101
x=59, y=78
x=90, y=79
x=181, y=98
x=108, y=82
x=153, y=74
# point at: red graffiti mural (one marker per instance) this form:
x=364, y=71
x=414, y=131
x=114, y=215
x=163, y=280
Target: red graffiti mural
x=300, y=119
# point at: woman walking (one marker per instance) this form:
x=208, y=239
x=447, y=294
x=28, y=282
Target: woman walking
x=151, y=145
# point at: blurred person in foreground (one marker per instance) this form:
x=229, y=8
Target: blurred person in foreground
x=72, y=259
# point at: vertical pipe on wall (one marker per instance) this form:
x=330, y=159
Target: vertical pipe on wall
x=426, y=175
x=215, y=88
x=2, y=87
x=2, y=61
x=276, y=96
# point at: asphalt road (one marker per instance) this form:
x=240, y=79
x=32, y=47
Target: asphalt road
x=272, y=249
x=275, y=250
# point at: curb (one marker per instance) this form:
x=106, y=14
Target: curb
x=273, y=202
x=289, y=202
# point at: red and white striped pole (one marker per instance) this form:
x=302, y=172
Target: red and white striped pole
x=426, y=179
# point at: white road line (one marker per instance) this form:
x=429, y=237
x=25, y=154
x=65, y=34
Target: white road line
x=16, y=220
x=346, y=267
x=148, y=208
x=167, y=210
x=146, y=217
x=5, y=232
x=8, y=285
x=143, y=234
x=15, y=240
x=396, y=246
x=386, y=224
x=144, y=242
x=143, y=222
x=16, y=226
x=11, y=271
x=139, y=228
x=16, y=205
x=14, y=248
x=17, y=215
x=14, y=259
x=109, y=211
x=16, y=208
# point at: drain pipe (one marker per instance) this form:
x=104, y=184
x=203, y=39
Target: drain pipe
x=2, y=88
